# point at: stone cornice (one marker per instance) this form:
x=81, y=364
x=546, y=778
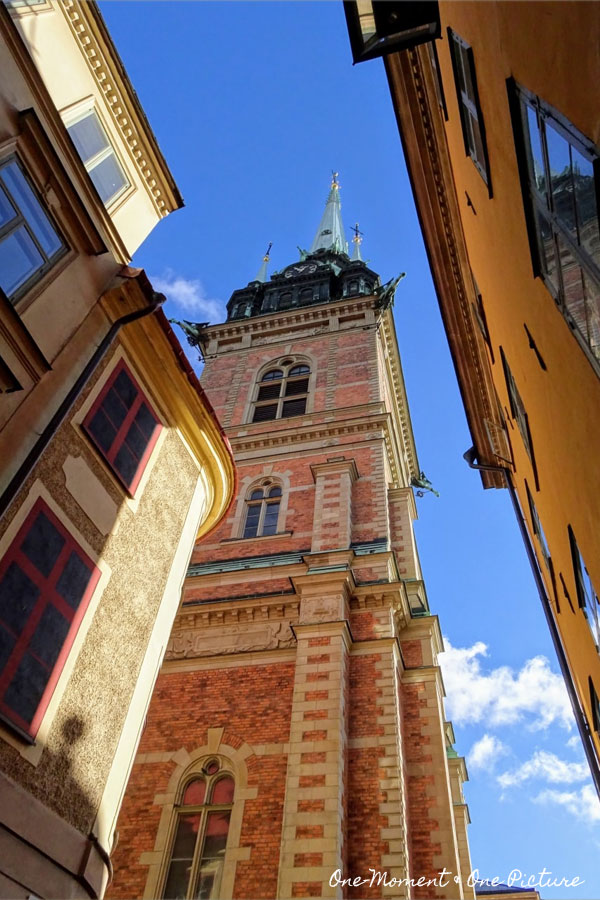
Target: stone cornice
x=271, y=441
x=298, y=317
x=396, y=379
x=97, y=47
x=412, y=85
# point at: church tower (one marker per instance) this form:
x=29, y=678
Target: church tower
x=296, y=737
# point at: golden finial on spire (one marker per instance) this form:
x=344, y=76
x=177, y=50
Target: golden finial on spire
x=266, y=257
x=334, y=179
x=357, y=239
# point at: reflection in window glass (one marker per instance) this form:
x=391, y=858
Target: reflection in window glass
x=98, y=156
x=566, y=222
x=29, y=243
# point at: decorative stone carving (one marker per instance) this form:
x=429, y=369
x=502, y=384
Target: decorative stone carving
x=229, y=639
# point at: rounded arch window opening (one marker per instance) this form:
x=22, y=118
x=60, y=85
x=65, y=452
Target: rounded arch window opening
x=282, y=391
x=262, y=510
x=200, y=837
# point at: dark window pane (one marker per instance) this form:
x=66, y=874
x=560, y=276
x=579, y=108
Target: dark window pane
x=217, y=826
x=7, y=643
x=285, y=300
x=177, y=880
x=572, y=278
x=264, y=413
x=185, y=839
x=114, y=408
x=102, y=430
x=209, y=879
x=125, y=388
x=136, y=441
x=275, y=491
x=223, y=791
x=560, y=177
x=74, y=580
x=269, y=391
x=49, y=636
x=296, y=387
x=19, y=260
x=270, y=520
x=252, y=519
x=25, y=691
x=43, y=544
x=18, y=596
x=592, y=312
x=273, y=373
x=146, y=422
x=537, y=158
x=194, y=793
x=293, y=408
x=547, y=254
x=256, y=495
x=126, y=464
x=585, y=201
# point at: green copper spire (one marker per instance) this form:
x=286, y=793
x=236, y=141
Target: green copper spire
x=330, y=233
x=262, y=272
x=357, y=241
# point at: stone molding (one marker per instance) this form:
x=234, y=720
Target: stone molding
x=107, y=70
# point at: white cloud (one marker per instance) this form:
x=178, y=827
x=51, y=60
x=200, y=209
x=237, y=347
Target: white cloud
x=189, y=294
x=502, y=696
x=583, y=804
x=484, y=752
x=547, y=766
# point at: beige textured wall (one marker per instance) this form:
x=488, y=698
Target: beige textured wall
x=70, y=772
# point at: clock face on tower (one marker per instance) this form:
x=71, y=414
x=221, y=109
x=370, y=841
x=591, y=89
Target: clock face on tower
x=300, y=269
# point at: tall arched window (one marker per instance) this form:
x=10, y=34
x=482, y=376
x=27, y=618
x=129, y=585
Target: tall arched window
x=198, y=851
x=282, y=392
x=262, y=511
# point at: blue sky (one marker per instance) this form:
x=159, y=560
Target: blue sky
x=253, y=105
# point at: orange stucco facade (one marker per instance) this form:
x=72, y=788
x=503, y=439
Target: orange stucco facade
x=476, y=229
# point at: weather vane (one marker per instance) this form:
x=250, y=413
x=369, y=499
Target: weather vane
x=358, y=235
x=266, y=257
x=334, y=179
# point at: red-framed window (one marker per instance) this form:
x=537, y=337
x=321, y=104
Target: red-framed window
x=123, y=426
x=46, y=582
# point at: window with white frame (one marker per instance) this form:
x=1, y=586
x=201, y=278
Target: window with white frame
x=560, y=177
x=197, y=853
x=98, y=156
x=586, y=594
x=262, y=510
x=30, y=243
x=282, y=392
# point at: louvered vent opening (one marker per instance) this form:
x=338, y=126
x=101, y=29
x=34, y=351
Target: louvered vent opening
x=293, y=408
x=297, y=387
x=269, y=391
x=263, y=413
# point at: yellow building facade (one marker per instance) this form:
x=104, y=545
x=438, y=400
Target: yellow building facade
x=112, y=462
x=501, y=129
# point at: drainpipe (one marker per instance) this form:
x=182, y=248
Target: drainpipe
x=582, y=724
x=65, y=407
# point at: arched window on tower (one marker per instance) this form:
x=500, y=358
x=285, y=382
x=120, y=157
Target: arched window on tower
x=282, y=392
x=262, y=511
x=200, y=835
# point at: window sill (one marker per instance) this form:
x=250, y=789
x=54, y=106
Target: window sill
x=260, y=537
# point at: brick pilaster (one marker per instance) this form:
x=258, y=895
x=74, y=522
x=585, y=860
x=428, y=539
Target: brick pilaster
x=332, y=522
x=312, y=845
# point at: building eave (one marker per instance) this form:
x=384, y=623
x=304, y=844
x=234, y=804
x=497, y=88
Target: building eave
x=411, y=80
x=108, y=71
